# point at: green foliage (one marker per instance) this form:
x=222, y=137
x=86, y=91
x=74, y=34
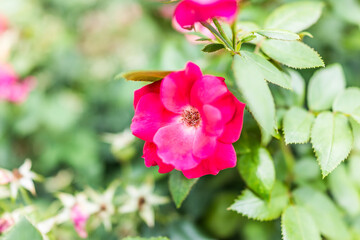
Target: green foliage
x=297, y=224
x=180, y=187
x=295, y=17
x=325, y=214
x=253, y=207
x=324, y=85
x=348, y=102
x=297, y=125
x=279, y=34
x=332, y=140
x=257, y=169
x=268, y=70
x=301, y=55
x=256, y=92
x=344, y=190
x=141, y=238
x=23, y=230
x=213, y=47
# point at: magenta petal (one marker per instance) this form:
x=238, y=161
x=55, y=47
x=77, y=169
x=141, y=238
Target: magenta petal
x=224, y=157
x=149, y=116
x=207, y=90
x=204, y=145
x=175, y=88
x=163, y=167
x=152, y=159
x=188, y=12
x=233, y=129
x=149, y=154
x=175, y=143
x=213, y=123
x=150, y=88
x=227, y=106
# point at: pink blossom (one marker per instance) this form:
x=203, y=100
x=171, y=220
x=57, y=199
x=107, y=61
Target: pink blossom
x=188, y=12
x=3, y=24
x=11, y=89
x=188, y=122
x=79, y=219
x=197, y=28
x=6, y=223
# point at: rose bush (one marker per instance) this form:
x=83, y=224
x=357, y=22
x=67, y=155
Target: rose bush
x=188, y=122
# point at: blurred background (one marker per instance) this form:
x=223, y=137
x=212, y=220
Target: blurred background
x=73, y=120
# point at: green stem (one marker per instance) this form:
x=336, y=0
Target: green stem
x=234, y=40
x=289, y=160
x=217, y=34
x=222, y=33
x=25, y=196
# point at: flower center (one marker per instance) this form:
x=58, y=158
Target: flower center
x=17, y=174
x=191, y=117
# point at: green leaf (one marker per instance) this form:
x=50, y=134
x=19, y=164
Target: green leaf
x=251, y=206
x=325, y=214
x=332, y=140
x=306, y=169
x=213, y=47
x=349, y=10
x=294, y=54
x=279, y=34
x=344, y=190
x=258, y=171
x=348, y=102
x=23, y=230
x=297, y=224
x=180, y=187
x=324, y=86
x=295, y=17
x=268, y=70
x=285, y=98
x=297, y=125
x=256, y=92
x=354, y=166
x=145, y=76
x=141, y=238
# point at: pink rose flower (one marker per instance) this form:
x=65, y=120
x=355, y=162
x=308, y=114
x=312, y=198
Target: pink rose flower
x=188, y=12
x=6, y=223
x=79, y=219
x=10, y=88
x=3, y=24
x=197, y=28
x=188, y=122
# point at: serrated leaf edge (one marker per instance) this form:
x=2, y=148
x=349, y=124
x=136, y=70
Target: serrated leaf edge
x=324, y=175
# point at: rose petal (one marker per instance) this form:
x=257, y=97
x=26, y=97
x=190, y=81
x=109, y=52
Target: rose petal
x=175, y=88
x=175, y=143
x=149, y=116
x=188, y=12
x=207, y=90
x=150, y=88
x=213, y=123
x=233, y=129
x=223, y=157
x=152, y=159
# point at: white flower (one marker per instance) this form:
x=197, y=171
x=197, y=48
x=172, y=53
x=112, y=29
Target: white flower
x=142, y=200
x=119, y=140
x=21, y=177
